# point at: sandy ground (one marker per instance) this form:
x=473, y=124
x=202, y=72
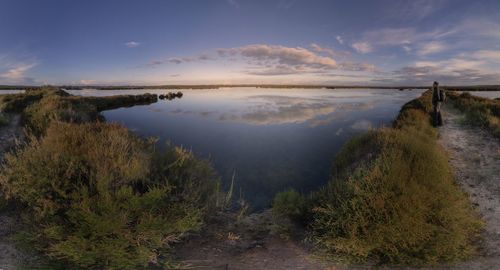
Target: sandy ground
x=475, y=156
x=253, y=243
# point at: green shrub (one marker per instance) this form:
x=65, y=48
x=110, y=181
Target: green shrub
x=55, y=107
x=3, y=119
x=289, y=203
x=482, y=112
x=98, y=197
x=392, y=198
x=18, y=102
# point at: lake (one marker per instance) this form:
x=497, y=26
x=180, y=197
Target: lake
x=272, y=139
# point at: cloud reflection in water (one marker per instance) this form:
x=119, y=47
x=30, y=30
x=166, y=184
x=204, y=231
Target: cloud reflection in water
x=275, y=110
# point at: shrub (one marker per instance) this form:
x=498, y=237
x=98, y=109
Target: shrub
x=3, y=119
x=392, y=198
x=100, y=198
x=55, y=107
x=482, y=112
x=60, y=106
x=289, y=203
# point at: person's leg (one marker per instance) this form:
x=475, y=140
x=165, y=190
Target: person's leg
x=435, y=115
x=439, y=116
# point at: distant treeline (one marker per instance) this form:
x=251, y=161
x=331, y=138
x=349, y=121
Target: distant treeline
x=217, y=86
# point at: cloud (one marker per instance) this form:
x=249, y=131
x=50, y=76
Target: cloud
x=290, y=56
x=463, y=35
x=471, y=68
x=180, y=60
x=413, y=9
x=132, y=44
x=320, y=49
x=281, y=60
x=362, y=47
x=87, y=82
x=431, y=48
x=272, y=60
x=274, y=110
x=340, y=40
x=492, y=55
x=16, y=73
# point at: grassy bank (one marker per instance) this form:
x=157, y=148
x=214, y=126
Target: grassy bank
x=3, y=119
x=93, y=195
x=42, y=106
x=392, y=198
x=482, y=112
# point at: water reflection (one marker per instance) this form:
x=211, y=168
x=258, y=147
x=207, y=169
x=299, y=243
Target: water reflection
x=272, y=138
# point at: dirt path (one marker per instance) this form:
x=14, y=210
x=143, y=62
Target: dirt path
x=10, y=257
x=475, y=156
x=253, y=243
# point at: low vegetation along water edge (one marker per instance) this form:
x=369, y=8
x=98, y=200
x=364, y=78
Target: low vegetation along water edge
x=391, y=199
x=92, y=195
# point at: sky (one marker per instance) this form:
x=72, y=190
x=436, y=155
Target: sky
x=376, y=42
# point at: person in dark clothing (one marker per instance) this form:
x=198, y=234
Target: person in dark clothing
x=438, y=97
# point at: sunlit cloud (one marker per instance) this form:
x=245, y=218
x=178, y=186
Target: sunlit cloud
x=87, y=82
x=276, y=54
x=362, y=47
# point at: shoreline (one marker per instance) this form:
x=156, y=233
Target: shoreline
x=257, y=232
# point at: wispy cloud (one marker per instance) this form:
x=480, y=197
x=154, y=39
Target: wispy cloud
x=415, y=10
x=362, y=47
x=132, y=44
x=431, y=47
x=340, y=40
x=180, y=60
x=469, y=68
x=16, y=73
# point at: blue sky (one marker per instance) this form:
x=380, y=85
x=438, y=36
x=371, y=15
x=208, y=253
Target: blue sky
x=237, y=41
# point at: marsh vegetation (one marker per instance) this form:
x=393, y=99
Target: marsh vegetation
x=392, y=198
x=479, y=111
x=92, y=194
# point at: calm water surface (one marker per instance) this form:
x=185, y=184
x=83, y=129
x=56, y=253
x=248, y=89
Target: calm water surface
x=8, y=91
x=272, y=138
